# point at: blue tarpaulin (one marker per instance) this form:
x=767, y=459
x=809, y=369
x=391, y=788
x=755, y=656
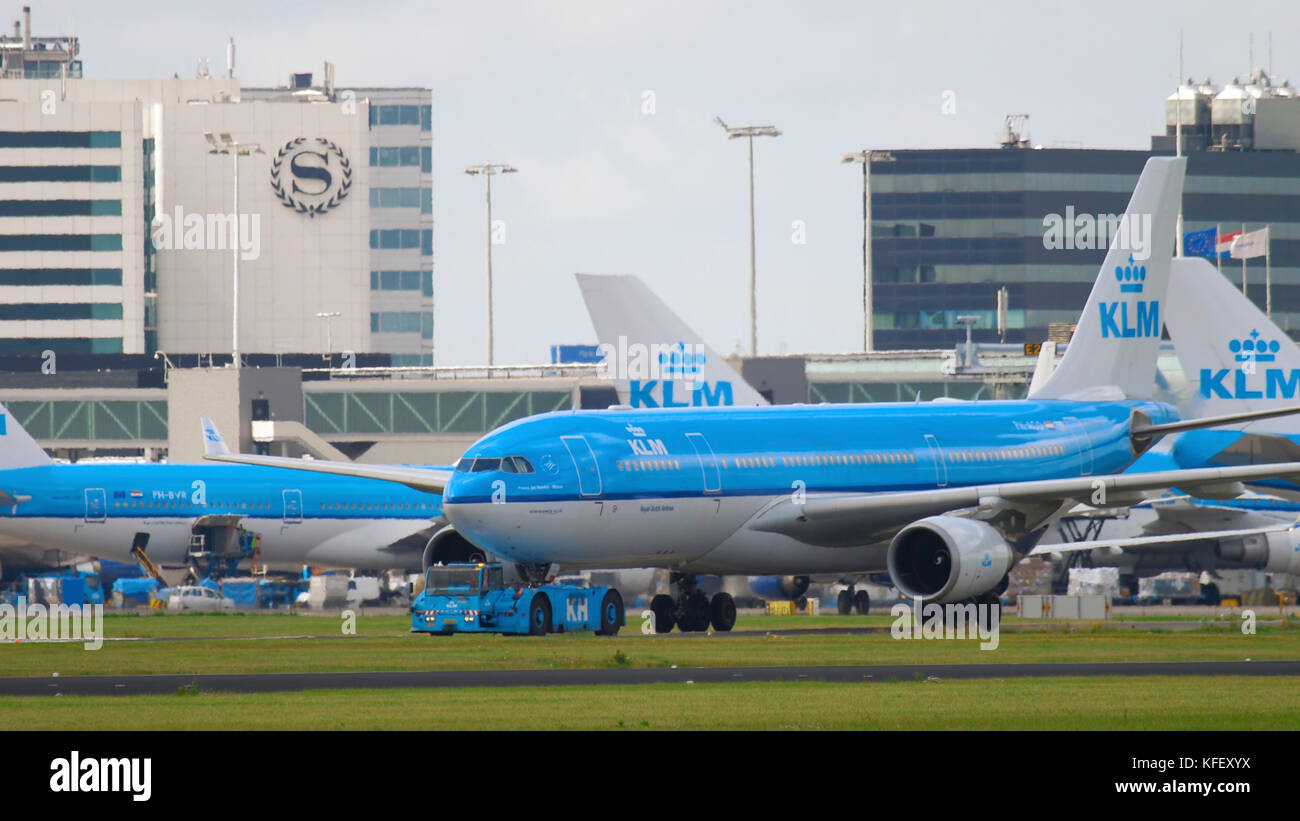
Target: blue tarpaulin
x=242, y=593
x=135, y=591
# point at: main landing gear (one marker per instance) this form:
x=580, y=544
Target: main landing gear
x=849, y=600
x=692, y=611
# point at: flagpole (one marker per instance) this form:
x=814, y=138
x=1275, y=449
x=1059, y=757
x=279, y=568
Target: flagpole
x=1218, y=258
x=1268, y=276
x=1243, y=264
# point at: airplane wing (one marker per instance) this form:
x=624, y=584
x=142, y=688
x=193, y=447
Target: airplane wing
x=855, y=518
x=1137, y=543
x=430, y=480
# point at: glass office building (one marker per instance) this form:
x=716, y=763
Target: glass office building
x=952, y=227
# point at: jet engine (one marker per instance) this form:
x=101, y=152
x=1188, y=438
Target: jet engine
x=778, y=588
x=1276, y=551
x=944, y=559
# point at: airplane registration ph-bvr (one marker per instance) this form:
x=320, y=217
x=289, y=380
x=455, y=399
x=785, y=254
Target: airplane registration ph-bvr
x=946, y=496
x=189, y=511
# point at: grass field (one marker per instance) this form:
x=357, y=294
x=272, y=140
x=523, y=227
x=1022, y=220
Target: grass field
x=231, y=644
x=1156, y=703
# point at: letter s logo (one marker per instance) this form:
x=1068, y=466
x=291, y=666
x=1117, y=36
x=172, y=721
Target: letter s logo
x=304, y=171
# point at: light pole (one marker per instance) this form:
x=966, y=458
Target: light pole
x=329, y=317
x=488, y=170
x=749, y=132
x=868, y=307
x=226, y=144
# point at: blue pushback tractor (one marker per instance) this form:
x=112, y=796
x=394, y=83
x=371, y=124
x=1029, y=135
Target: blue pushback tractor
x=474, y=598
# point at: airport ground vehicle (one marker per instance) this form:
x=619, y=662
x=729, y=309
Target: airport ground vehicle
x=201, y=599
x=474, y=598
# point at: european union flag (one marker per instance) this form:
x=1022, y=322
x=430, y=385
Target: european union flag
x=1200, y=243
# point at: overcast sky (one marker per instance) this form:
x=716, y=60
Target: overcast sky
x=558, y=90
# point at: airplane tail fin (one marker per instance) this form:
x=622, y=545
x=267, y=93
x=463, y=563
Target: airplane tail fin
x=1234, y=357
x=17, y=447
x=1117, y=341
x=655, y=359
x=213, y=443
x=1043, y=367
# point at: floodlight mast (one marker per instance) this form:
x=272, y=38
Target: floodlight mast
x=226, y=144
x=749, y=132
x=489, y=170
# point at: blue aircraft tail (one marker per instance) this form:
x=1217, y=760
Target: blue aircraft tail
x=1114, y=349
x=1234, y=357
x=17, y=448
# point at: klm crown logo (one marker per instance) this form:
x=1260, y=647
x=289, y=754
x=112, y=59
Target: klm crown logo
x=1253, y=349
x=1130, y=277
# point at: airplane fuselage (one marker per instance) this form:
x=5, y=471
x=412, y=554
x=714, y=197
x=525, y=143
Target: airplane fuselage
x=302, y=518
x=685, y=488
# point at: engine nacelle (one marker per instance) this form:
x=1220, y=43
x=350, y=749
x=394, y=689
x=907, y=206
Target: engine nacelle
x=778, y=588
x=944, y=559
x=1277, y=552
x=447, y=545
x=1283, y=552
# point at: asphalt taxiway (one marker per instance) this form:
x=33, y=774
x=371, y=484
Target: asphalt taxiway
x=274, y=682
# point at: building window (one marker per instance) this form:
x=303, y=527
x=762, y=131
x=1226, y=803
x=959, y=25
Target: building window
x=60, y=139
x=60, y=173
x=60, y=242
x=60, y=310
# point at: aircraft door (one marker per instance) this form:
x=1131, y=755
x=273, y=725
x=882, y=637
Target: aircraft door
x=584, y=460
x=940, y=465
x=96, y=504
x=708, y=462
x=292, y=506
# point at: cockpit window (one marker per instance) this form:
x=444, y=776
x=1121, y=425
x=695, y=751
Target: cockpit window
x=508, y=465
x=522, y=465
x=484, y=465
x=464, y=465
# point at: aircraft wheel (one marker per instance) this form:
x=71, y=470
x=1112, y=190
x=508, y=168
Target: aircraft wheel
x=539, y=615
x=862, y=602
x=663, y=607
x=723, y=609
x=697, y=613
x=844, y=603
x=611, y=613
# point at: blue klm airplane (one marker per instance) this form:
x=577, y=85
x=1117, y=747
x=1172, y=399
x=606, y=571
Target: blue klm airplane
x=947, y=496
x=98, y=509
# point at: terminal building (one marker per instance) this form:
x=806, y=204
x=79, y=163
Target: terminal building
x=118, y=220
x=952, y=227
